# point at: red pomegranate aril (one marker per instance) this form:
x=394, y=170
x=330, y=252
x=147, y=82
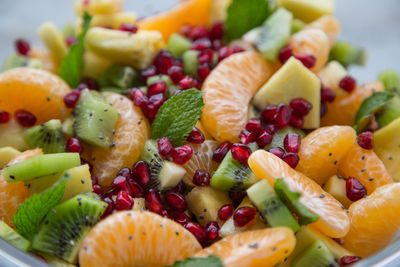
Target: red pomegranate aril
x=348, y=260
x=121, y=184
x=221, y=151
x=300, y=106
x=237, y=49
x=164, y=146
x=323, y=109
x=97, y=189
x=355, y=189
x=366, y=140
x=292, y=159
x=176, y=201
x=217, y=30
x=237, y=197
x=217, y=44
x=224, y=52
x=4, y=117
x=296, y=121
x=110, y=206
x=201, y=44
x=282, y=116
x=205, y=56
x=150, y=71
x=186, y=82
x=179, y=216
x=71, y=99
x=254, y=125
x=128, y=27
x=264, y=138
x=164, y=213
x=94, y=179
x=243, y=216
x=327, y=95
x=247, y=137
x=138, y=97
x=201, y=178
x=185, y=30
x=291, y=142
x=225, y=212
x=22, y=47
x=179, y=188
x=74, y=146
x=277, y=151
x=141, y=173
x=181, y=155
x=123, y=201
x=91, y=83
x=198, y=32
x=196, y=136
x=157, y=87
x=125, y=172
x=197, y=230
x=212, y=230
x=197, y=84
x=136, y=189
x=153, y=201
x=241, y=153
x=348, y=83
x=203, y=71
x=285, y=54
x=176, y=74
x=70, y=40
x=271, y=128
x=25, y=118
x=307, y=60
x=163, y=61
x=268, y=114
x=152, y=106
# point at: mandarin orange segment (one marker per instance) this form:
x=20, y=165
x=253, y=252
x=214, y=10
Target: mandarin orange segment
x=131, y=132
x=37, y=91
x=265, y=247
x=375, y=221
x=14, y=194
x=343, y=110
x=192, y=12
x=365, y=165
x=134, y=238
x=321, y=151
x=333, y=220
x=329, y=25
x=45, y=58
x=227, y=93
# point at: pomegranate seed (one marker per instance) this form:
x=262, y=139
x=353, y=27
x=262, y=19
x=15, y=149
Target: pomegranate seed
x=205, y=56
x=268, y=114
x=196, y=136
x=179, y=216
x=70, y=40
x=125, y=172
x=212, y=229
x=201, y=44
x=221, y=151
x=110, y=206
x=120, y=183
x=179, y=188
x=271, y=128
x=237, y=49
x=277, y=151
x=243, y=216
x=285, y=54
x=182, y=154
x=150, y=71
x=163, y=61
x=197, y=84
x=74, y=146
x=292, y=159
x=185, y=30
x=164, y=214
x=224, y=52
x=25, y=118
x=138, y=97
x=225, y=212
x=347, y=260
x=355, y=189
x=71, y=99
x=141, y=173
x=97, y=189
x=217, y=44
x=307, y=60
x=203, y=71
x=365, y=140
x=4, y=116
x=237, y=197
x=197, y=230
x=136, y=189
x=348, y=83
x=128, y=27
x=265, y=138
x=176, y=201
x=22, y=46
x=296, y=121
x=90, y=83
x=254, y=125
x=94, y=179
x=186, y=82
x=292, y=142
x=217, y=30
x=86, y=2
x=247, y=137
x=164, y=146
x=153, y=105
x=300, y=106
x=282, y=116
x=327, y=95
x=157, y=87
x=323, y=109
x=198, y=32
x=123, y=201
x=176, y=74
x=241, y=153
x=153, y=201
x=201, y=178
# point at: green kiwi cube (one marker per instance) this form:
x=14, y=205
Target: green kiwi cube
x=178, y=44
x=348, y=54
x=390, y=80
x=316, y=255
x=15, y=61
x=119, y=76
x=12, y=237
x=279, y=136
x=190, y=62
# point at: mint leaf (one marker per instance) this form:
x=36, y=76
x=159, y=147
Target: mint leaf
x=292, y=201
x=244, y=15
x=177, y=116
x=34, y=209
x=210, y=261
x=369, y=106
x=70, y=68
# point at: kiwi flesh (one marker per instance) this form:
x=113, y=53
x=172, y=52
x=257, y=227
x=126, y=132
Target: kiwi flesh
x=15, y=61
x=12, y=237
x=118, y=76
x=178, y=44
x=316, y=255
x=41, y=165
x=190, y=62
x=48, y=136
x=279, y=136
x=66, y=225
x=95, y=119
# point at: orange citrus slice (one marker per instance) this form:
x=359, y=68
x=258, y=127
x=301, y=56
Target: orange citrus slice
x=45, y=58
x=333, y=220
x=133, y=238
x=329, y=25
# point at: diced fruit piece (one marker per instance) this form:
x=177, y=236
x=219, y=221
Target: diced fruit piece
x=317, y=254
x=329, y=25
x=204, y=202
x=272, y=209
x=119, y=76
x=348, y=54
x=389, y=112
x=62, y=230
x=139, y=204
x=40, y=165
x=178, y=44
x=331, y=75
x=297, y=25
x=164, y=174
x=336, y=186
x=11, y=135
x=15, y=61
x=279, y=137
x=53, y=40
x=11, y=236
x=292, y=80
x=98, y=7
x=47, y=136
x=390, y=80
x=6, y=154
x=308, y=10
x=68, y=126
x=190, y=62
x=55, y=261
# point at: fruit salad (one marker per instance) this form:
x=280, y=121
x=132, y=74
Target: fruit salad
x=218, y=133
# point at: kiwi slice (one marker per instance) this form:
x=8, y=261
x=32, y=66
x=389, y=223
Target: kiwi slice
x=66, y=225
x=389, y=112
x=390, y=80
x=279, y=136
x=40, y=165
x=270, y=206
x=348, y=54
x=164, y=174
x=68, y=126
x=12, y=237
x=119, y=76
x=190, y=62
x=15, y=61
x=178, y=44
x=95, y=119
x=316, y=255
x=48, y=136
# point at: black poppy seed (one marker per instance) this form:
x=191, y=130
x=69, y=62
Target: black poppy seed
x=53, y=211
x=48, y=99
x=105, y=109
x=335, y=162
x=91, y=114
x=139, y=122
x=130, y=237
x=100, y=119
x=390, y=158
x=46, y=222
x=129, y=214
x=371, y=179
x=85, y=248
x=12, y=176
x=322, y=195
x=177, y=232
x=347, y=211
x=330, y=154
x=201, y=216
x=343, y=208
x=204, y=210
x=113, y=131
x=362, y=157
x=286, y=251
x=253, y=245
x=101, y=137
x=82, y=181
x=362, y=170
x=319, y=246
x=195, y=153
x=274, y=248
x=161, y=225
x=143, y=233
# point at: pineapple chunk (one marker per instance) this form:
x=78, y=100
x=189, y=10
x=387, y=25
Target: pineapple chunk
x=11, y=135
x=139, y=204
x=54, y=41
x=291, y=81
x=6, y=154
x=308, y=10
x=337, y=188
x=331, y=75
